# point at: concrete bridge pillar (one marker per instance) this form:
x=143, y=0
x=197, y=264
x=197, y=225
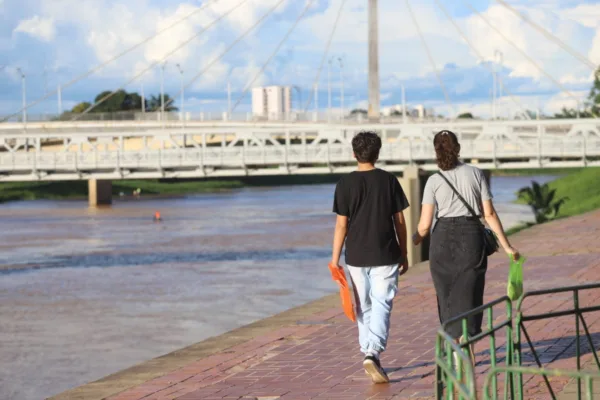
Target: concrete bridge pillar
x=99, y=192
x=413, y=182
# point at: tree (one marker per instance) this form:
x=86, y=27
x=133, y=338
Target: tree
x=81, y=107
x=466, y=115
x=594, y=96
x=542, y=201
x=357, y=111
x=591, y=106
x=154, y=103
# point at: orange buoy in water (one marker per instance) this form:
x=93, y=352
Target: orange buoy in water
x=157, y=216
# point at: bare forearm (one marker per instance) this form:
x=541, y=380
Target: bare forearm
x=496, y=226
x=339, y=237
x=402, y=236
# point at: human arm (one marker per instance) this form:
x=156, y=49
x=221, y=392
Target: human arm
x=400, y=227
x=424, y=226
x=339, y=236
x=492, y=219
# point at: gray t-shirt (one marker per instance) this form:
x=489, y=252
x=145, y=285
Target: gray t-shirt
x=470, y=183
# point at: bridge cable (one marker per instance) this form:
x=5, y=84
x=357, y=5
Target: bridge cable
x=325, y=53
x=114, y=58
x=431, y=60
x=287, y=35
x=231, y=46
x=550, y=36
x=524, y=54
x=481, y=57
x=155, y=63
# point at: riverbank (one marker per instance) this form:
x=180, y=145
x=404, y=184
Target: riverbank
x=311, y=351
x=581, y=189
x=72, y=190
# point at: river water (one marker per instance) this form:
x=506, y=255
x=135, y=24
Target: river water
x=85, y=293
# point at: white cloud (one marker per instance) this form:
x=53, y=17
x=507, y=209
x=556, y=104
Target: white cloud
x=38, y=27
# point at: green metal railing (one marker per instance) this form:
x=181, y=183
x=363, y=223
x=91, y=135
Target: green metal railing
x=577, y=311
x=454, y=370
x=455, y=373
x=588, y=378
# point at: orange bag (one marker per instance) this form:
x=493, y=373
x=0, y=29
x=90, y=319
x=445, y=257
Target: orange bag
x=338, y=275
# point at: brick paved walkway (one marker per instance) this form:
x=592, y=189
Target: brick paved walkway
x=318, y=358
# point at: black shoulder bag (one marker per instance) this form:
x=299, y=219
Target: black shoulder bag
x=489, y=238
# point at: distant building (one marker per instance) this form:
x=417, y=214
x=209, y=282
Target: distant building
x=272, y=102
x=417, y=112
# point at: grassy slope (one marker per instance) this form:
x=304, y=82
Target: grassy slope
x=583, y=190
x=582, y=187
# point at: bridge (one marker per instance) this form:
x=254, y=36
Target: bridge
x=175, y=146
x=125, y=150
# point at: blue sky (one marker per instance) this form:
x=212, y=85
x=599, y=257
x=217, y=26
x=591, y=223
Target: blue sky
x=54, y=41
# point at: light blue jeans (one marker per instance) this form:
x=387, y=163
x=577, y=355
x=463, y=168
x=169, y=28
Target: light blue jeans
x=374, y=291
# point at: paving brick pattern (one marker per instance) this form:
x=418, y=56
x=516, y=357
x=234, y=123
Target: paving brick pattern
x=318, y=358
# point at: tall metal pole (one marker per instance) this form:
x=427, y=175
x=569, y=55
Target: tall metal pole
x=494, y=79
x=403, y=105
x=500, y=58
x=342, y=88
x=329, y=91
x=228, y=100
x=162, y=92
x=373, y=61
x=182, y=94
x=143, y=99
x=59, y=94
x=24, y=97
x=316, y=102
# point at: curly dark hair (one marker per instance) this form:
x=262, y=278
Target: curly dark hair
x=366, y=146
x=447, y=150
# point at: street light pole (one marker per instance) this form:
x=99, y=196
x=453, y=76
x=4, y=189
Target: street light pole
x=162, y=92
x=403, y=105
x=316, y=118
x=24, y=97
x=342, y=88
x=143, y=99
x=182, y=92
x=59, y=94
x=329, y=90
x=228, y=100
x=498, y=54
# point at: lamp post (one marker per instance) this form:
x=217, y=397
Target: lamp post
x=329, y=90
x=228, y=100
x=500, y=57
x=162, y=91
x=23, y=97
x=342, y=87
x=182, y=91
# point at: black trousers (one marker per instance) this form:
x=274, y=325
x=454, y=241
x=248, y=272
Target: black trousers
x=458, y=266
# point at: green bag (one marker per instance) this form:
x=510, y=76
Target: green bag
x=514, y=288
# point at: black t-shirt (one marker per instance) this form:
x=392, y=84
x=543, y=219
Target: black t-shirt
x=370, y=199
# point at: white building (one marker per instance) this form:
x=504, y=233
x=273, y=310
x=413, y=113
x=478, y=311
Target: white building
x=272, y=102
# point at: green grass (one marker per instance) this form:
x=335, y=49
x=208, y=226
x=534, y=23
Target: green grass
x=534, y=172
x=583, y=190
x=581, y=186
x=79, y=189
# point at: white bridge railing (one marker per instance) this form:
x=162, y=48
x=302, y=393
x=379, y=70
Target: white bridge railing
x=260, y=151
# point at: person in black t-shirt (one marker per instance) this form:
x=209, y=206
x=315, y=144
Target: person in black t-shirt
x=369, y=204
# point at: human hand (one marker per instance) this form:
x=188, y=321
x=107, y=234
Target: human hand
x=417, y=239
x=403, y=267
x=514, y=253
x=335, y=263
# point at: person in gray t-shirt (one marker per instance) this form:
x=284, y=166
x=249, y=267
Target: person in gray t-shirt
x=457, y=255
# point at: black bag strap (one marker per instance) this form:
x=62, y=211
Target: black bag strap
x=459, y=196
